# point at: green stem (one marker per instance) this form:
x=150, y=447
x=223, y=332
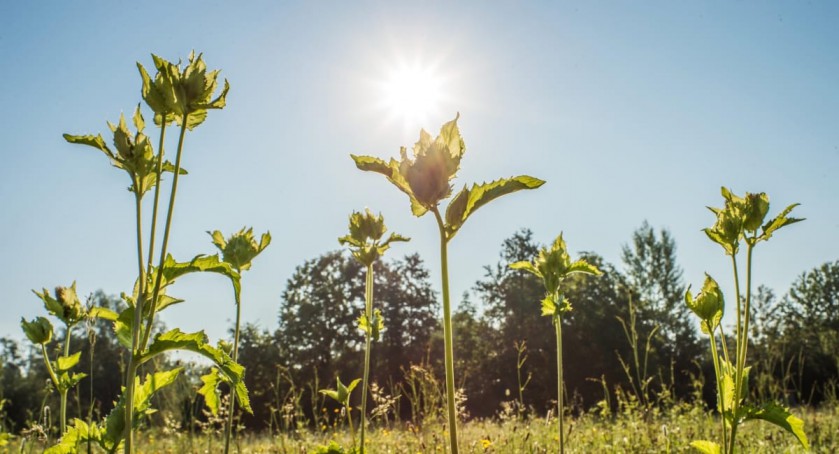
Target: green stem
x=738, y=373
x=716, y=360
x=232, y=408
x=64, y=392
x=51, y=372
x=368, y=312
x=448, y=337
x=560, y=407
x=137, y=323
x=165, y=245
x=349, y=419
x=745, y=347
x=159, y=172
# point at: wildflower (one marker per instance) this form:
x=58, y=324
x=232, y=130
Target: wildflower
x=708, y=305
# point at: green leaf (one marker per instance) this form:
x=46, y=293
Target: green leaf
x=65, y=363
x=102, y=313
x=122, y=328
x=374, y=327
x=38, y=331
x=468, y=201
x=706, y=447
x=201, y=263
x=341, y=393
x=391, y=171
x=780, y=221
x=526, y=266
x=210, y=390
x=581, y=266
x=143, y=392
x=781, y=417
x=549, y=308
x=197, y=343
x=67, y=381
x=77, y=433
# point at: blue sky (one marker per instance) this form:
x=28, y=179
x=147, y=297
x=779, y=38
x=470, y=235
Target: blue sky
x=631, y=111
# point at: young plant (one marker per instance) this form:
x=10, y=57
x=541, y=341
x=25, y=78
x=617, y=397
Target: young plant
x=552, y=266
x=341, y=394
x=426, y=179
x=740, y=220
x=181, y=96
x=364, y=240
x=238, y=251
x=64, y=304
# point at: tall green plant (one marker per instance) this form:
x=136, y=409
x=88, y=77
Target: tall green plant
x=426, y=179
x=181, y=96
x=364, y=240
x=238, y=251
x=741, y=220
x=552, y=266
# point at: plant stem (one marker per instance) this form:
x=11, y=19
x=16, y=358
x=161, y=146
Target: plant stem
x=368, y=312
x=744, y=348
x=349, y=419
x=232, y=408
x=164, y=246
x=738, y=373
x=159, y=172
x=716, y=359
x=448, y=337
x=560, y=407
x=137, y=323
x=51, y=372
x=64, y=392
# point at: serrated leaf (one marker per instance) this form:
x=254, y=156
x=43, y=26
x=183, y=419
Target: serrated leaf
x=549, y=308
x=173, y=270
x=210, y=391
x=706, y=447
x=526, y=266
x=391, y=171
x=581, y=266
x=479, y=195
x=38, y=331
x=778, y=222
x=197, y=343
x=781, y=417
x=65, y=363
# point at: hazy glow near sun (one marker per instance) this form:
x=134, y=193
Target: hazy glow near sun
x=412, y=93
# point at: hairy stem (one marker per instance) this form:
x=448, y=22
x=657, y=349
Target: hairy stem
x=368, y=312
x=448, y=337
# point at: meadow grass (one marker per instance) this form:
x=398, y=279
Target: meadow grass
x=656, y=431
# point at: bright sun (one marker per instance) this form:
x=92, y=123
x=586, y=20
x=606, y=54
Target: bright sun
x=412, y=93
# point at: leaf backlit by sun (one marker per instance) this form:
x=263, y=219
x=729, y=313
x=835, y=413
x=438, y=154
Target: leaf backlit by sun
x=412, y=93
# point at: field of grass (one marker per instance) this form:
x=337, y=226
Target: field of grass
x=653, y=432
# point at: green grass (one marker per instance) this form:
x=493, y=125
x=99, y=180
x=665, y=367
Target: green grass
x=653, y=432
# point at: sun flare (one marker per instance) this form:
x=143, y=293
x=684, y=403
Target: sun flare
x=412, y=93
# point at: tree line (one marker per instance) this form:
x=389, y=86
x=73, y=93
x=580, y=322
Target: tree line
x=629, y=337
